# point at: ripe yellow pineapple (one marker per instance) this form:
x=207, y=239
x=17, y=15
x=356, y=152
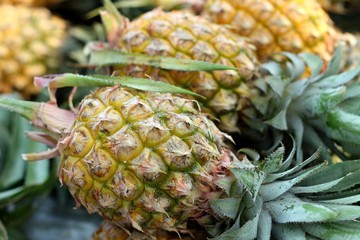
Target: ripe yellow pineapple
x=183, y=35
x=143, y=160
x=277, y=25
x=30, y=39
x=272, y=25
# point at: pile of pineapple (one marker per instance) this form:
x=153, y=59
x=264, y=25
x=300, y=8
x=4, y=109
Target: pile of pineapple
x=224, y=119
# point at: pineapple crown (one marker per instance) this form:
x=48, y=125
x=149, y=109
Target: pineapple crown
x=274, y=197
x=319, y=110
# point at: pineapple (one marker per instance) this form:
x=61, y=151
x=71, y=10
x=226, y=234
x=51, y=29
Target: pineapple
x=277, y=25
x=183, y=35
x=129, y=155
x=272, y=25
x=30, y=39
x=341, y=6
x=269, y=101
x=140, y=159
x=152, y=161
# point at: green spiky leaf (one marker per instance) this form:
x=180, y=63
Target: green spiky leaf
x=314, y=62
x=228, y=207
x=114, y=57
x=321, y=102
x=289, y=208
x=277, y=84
x=333, y=172
x=273, y=162
x=297, y=126
x=315, y=188
x=339, y=79
x=334, y=231
x=273, y=190
x=343, y=126
x=250, y=179
x=265, y=225
x=283, y=231
x=334, y=65
x=75, y=80
x=286, y=172
x=344, y=197
x=279, y=121
x=344, y=212
x=298, y=65
x=225, y=183
x=247, y=232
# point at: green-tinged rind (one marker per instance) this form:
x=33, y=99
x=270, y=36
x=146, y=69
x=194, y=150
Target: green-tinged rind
x=145, y=160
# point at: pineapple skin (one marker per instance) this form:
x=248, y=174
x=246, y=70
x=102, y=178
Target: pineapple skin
x=109, y=231
x=143, y=160
x=30, y=39
x=180, y=34
x=277, y=25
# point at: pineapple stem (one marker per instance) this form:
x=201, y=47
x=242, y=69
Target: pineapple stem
x=24, y=108
x=42, y=115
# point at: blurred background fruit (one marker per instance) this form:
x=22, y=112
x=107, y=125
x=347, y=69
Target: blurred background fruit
x=30, y=42
x=32, y=2
x=341, y=6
